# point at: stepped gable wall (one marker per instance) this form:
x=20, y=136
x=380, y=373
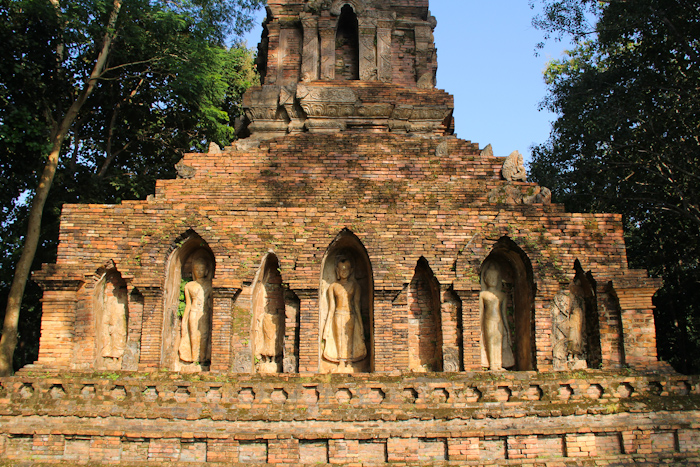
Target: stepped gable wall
x=406, y=200
x=294, y=196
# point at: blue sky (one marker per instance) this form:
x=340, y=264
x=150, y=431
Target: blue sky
x=486, y=60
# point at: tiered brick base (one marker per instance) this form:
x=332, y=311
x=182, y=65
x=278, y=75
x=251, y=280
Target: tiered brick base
x=552, y=419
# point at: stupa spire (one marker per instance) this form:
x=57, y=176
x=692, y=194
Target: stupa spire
x=347, y=64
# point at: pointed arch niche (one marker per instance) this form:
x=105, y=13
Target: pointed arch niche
x=111, y=311
x=355, y=353
x=424, y=320
x=268, y=325
x=190, y=259
x=347, y=45
x=516, y=282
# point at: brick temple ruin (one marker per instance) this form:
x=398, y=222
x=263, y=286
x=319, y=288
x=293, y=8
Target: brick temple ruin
x=349, y=283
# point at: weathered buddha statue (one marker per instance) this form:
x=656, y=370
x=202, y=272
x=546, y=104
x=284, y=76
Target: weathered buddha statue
x=269, y=327
x=114, y=327
x=577, y=323
x=196, y=321
x=343, y=332
x=496, y=346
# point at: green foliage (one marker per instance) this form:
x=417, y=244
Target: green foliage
x=626, y=140
x=170, y=86
x=181, y=301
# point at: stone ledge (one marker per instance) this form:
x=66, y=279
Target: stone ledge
x=434, y=396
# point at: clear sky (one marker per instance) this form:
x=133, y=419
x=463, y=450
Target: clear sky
x=487, y=61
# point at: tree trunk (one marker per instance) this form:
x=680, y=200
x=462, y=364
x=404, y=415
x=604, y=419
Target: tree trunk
x=8, y=342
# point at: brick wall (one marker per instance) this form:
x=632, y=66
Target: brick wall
x=347, y=420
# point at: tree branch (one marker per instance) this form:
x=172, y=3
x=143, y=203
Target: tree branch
x=8, y=342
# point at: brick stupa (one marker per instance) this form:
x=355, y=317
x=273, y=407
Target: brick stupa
x=349, y=283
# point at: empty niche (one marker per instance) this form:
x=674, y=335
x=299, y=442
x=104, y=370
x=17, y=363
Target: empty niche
x=346, y=297
x=133, y=450
x=193, y=451
x=664, y=442
x=290, y=55
x=432, y=450
x=188, y=306
x=75, y=448
x=252, y=452
x=625, y=390
x=684, y=388
x=17, y=446
x=550, y=446
x=506, y=306
x=343, y=395
x=565, y=392
x=118, y=393
x=213, y=395
x=472, y=394
x=268, y=326
x=441, y=395
x=57, y=391
x=111, y=311
x=279, y=396
x=313, y=451
x=373, y=451
x=347, y=46
x=26, y=391
x=310, y=396
x=409, y=395
x=493, y=448
x=376, y=396
x=292, y=308
x=181, y=394
x=246, y=396
x=608, y=444
x=88, y=391
x=595, y=391
x=424, y=320
x=533, y=393
x=451, y=330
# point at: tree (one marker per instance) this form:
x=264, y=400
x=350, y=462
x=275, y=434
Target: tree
x=626, y=140
x=105, y=95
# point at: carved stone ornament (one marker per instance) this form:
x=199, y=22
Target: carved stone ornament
x=357, y=5
x=375, y=110
x=290, y=364
x=185, y=171
x=540, y=195
x=443, y=149
x=426, y=81
x=242, y=363
x=487, y=151
x=451, y=360
x=516, y=194
x=317, y=5
x=514, y=168
x=325, y=94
